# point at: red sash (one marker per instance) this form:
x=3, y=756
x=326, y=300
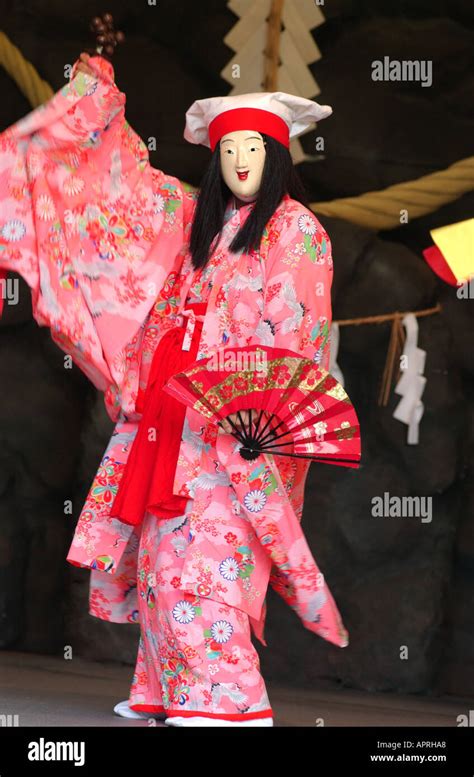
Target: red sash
x=147, y=480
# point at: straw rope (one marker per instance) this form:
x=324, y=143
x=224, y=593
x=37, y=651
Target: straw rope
x=23, y=73
x=375, y=210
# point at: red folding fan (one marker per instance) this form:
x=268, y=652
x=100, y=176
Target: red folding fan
x=295, y=407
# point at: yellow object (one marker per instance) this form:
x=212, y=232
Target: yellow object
x=23, y=73
x=385, y=209
x=456, y=243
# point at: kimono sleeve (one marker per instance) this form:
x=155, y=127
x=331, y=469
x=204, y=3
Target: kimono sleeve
x=297, y=308
x=297, y=314
x=300, y=582
x=87, y=222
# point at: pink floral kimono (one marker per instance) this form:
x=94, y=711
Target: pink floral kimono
x=101, y=238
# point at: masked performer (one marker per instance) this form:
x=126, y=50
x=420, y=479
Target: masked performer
x=136, y=278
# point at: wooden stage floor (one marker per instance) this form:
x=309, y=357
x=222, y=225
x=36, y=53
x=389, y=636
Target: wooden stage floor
x=48, y=691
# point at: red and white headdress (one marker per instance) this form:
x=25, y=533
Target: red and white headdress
x=281, y=115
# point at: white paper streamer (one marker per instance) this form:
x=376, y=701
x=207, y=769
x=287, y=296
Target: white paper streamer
x=412, y=383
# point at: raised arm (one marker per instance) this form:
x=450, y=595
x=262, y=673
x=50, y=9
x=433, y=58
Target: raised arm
x=84, y=218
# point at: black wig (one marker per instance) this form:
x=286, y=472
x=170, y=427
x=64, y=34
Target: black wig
x=279, y=177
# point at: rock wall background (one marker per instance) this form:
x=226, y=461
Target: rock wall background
x=398, y=581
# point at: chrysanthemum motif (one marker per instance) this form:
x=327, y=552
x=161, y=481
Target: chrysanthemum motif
x=184, y=612
x=306, y=225
x=221, y=631
x=45, y=208
x=229, y=568
x=73, y=185
x=255, y=500
x=158, y=203
x=13, y=230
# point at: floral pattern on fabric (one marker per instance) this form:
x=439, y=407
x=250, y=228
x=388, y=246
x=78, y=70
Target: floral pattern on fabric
x=102, y=239
x=195, y=653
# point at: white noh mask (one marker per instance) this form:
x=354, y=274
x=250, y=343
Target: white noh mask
x=242, y=155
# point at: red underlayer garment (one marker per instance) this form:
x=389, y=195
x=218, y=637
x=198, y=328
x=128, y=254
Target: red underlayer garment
x=147, y=481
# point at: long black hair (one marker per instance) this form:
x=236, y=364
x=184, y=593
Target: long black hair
x=278, y=178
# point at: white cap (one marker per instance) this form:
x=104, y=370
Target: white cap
x=281, y=115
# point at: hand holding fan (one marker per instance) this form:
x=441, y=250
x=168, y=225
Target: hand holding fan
x=295, y=408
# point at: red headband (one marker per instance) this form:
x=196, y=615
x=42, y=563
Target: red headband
x=248, y=118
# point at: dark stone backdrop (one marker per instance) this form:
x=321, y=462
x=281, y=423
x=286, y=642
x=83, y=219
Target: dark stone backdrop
x=397, y=581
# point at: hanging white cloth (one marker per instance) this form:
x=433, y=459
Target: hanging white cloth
x=412, y=383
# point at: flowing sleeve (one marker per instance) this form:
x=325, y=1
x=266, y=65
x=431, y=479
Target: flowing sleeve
x=296, y=575
x=297, y=308
x=87, y=222
x=297, y=314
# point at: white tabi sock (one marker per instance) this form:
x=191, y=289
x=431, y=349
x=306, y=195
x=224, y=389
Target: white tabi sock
x=197, y=720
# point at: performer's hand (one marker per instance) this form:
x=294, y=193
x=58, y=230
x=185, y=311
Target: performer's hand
x=226, y=427
x=83, y=65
